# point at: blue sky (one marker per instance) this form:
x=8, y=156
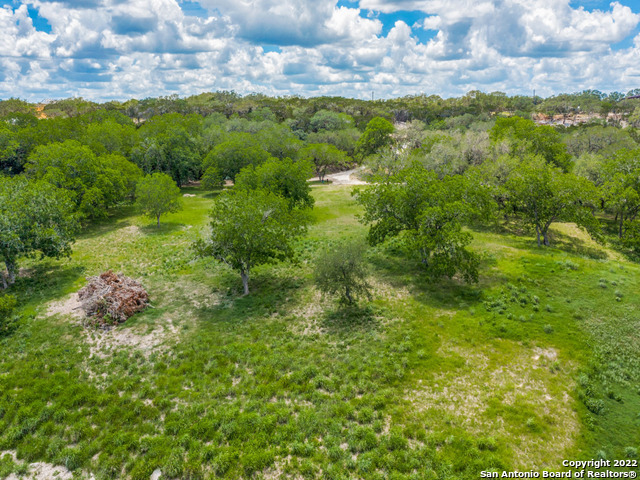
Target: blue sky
x=115, y=49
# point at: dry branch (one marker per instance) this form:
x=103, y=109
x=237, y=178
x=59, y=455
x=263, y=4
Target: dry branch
x=112, y=298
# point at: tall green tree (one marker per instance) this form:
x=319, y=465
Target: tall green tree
x=94, y=183
x=621, y=192
x=323, y=156
x=157, y=194
x=542, y=194
x=527, y=138
x=36, y=218
x=250, y=228
x=231, y=156
x=375, y=136
x=171, y=144
x=282, y=177
x=426, y=214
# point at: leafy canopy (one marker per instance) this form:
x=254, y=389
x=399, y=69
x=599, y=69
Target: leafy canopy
x=323, y=156
x=375, y=136
x=282, y=177
x=157, y=194
x=251, y=227
x=94, y=183
x=527, y=138
x=425, y=213
x=542, y=194
x=231, y=156
x=35, y=218
x=342, y=270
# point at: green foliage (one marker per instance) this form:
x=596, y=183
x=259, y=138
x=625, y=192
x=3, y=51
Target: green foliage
x=527, y=138
x=250, y=228
x=36, y=218
x=169, y=144
x=94, y=183
x=328, y=120
x=621, y=192
x=324, y=157
x=542, y=194
x=212, y=178
x=110, y=136
x=341, y=270
x=231, y=156
x=428, y=212
x=157, y=194
x=375, y=136
x=7, y=321
x=282, y=177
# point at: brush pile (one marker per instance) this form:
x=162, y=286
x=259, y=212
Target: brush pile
x=112, y=298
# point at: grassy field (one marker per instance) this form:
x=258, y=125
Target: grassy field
x=537, y=363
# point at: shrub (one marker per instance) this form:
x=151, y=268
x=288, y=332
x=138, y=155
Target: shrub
x=548, y=328
x=343, y=271
x=7, y=320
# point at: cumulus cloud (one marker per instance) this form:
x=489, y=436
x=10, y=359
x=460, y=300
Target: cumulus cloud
x=118, y=49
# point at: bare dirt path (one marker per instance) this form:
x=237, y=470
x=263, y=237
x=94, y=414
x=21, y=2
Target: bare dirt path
x=344, y=178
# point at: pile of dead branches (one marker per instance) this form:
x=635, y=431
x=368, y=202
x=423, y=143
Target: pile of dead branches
x=111, y=298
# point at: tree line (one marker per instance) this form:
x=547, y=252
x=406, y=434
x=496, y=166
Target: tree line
x=429, y=181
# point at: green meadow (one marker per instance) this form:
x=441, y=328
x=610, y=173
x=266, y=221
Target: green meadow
x=537, y=363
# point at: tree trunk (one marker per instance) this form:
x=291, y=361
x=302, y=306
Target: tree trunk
x=538, y=234
x=12, y=270
x=620, y=228
x=546, y=237
x=245, y=282
x=158, y=220
x=347, y=293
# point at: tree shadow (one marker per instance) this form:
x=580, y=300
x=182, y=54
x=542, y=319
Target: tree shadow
x=45, y=282
x=576, y=246
x=350, y=318
x=164, y=228
x=269, y=292
x=118, y=218
x=400, y=270
x=213, y=193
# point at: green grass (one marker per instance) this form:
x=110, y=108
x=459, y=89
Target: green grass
x=535, y=364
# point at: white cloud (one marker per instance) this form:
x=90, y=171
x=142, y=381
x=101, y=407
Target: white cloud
x=114, y=49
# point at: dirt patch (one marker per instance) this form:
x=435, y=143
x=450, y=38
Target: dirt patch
x=308, y=316
x=70, y=306
x=499, y=389
x=348, y=177
x=102, y=343
x=42, y=470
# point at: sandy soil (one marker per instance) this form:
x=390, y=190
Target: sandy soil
x=343, y=178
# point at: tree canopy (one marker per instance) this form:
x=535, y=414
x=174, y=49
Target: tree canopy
x=426, y=214
x=231, y=156
x=375, y=136
x=542, y=194
x=282, y=177
x=35, y=218
x=157, y=194
x=94, y=183
x=250, y=228
x=323, y=156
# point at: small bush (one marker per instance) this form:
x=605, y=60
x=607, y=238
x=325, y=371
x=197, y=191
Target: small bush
x=594, y=406
x=7, y=320
x=548, y=329
x=342, y=271
x=631, y=452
